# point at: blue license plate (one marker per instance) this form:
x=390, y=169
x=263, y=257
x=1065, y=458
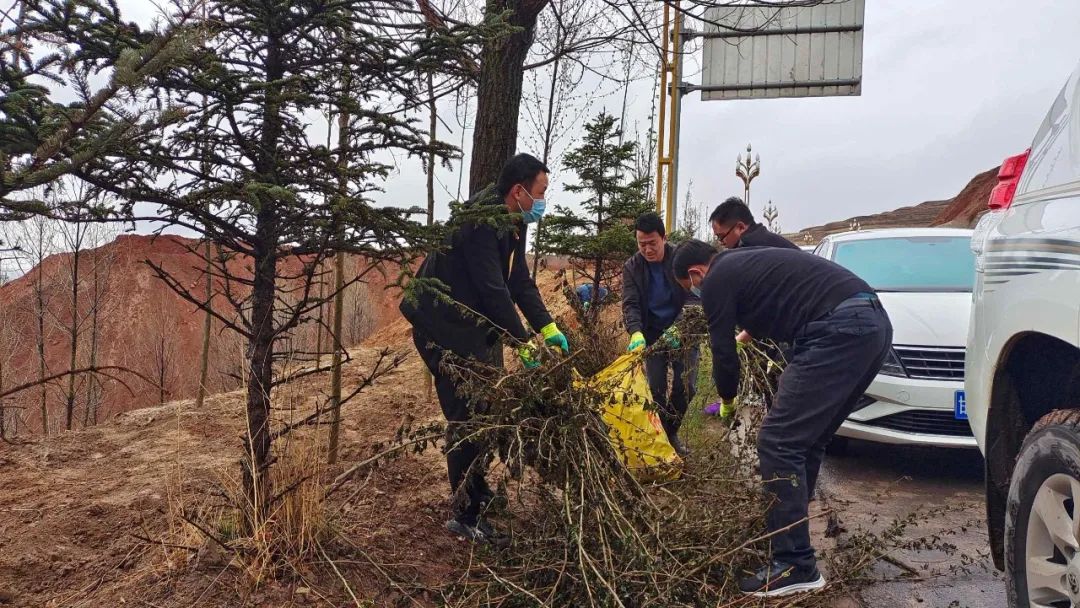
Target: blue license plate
x=960, y=406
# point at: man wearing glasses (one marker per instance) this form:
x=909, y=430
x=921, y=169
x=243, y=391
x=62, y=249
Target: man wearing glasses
x=734, y=226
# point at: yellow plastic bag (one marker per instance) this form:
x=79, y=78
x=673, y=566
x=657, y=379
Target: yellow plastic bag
x=635, y=431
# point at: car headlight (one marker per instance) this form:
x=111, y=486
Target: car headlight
x=892, y=365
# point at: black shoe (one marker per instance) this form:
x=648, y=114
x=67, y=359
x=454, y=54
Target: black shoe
x=680, y=447
x=779, y=579
x=489, y=500
x=481, y=533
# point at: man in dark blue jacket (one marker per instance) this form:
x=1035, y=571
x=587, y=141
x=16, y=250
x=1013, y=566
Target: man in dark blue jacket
x=651, y=302
x=484, y=269
x=839, y=336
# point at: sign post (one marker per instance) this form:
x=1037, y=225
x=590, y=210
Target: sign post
x=667, y=141
x=766, y=53
x=755, y=52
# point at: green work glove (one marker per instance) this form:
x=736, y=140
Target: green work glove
x=529, y=355
x=728, y=410
x=554, y=337
x=637, y=341
x=671, y=336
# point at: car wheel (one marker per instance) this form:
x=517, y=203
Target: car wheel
x=838, y=446
x=1042, y=518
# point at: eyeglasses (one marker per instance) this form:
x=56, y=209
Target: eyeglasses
x=720, y=239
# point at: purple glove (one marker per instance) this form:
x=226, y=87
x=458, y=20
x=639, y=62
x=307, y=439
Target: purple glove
x=712, y=409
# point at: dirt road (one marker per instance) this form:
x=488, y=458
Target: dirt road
x=873, y=484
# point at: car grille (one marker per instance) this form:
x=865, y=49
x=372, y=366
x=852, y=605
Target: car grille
x=932, y=362
x=927, y=422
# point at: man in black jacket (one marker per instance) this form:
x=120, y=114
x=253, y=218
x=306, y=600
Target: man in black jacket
x=734, y=226
x=839, y=334
x=486, y=274
x=651, y=302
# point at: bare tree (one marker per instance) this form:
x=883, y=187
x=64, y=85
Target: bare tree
x=208, y=320
x=691, y=222
x=102, y=305
x=37, y=240
x=11, y=339
x=160, y=347
x=71, y=317
x=359, y=318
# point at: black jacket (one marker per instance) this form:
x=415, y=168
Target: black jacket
x=635, y=294
x=770, y=292
x=759, y=236
x=486, y=271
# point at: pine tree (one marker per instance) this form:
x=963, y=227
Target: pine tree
x=51, y=48
x=245, y=170
x=600, y=238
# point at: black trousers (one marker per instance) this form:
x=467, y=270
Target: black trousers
x=672, y=407
x=832, y=362
x=464, y=470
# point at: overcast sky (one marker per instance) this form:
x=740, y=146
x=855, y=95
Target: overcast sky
x=950, y=89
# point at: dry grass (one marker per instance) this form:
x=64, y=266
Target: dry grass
x=585, y=532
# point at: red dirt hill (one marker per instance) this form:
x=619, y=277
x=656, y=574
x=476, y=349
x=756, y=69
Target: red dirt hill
x=961, y=211
x=143, y=326
x=964, y=210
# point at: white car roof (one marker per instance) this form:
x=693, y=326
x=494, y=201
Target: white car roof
x=885, y=233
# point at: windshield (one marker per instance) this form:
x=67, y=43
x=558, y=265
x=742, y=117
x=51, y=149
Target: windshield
x=918, y=263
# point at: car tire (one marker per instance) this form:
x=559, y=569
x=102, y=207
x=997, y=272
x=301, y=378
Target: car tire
x=1048, y=471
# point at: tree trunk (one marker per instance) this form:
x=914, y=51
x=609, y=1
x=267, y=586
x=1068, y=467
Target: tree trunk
x=498, y=96
x=39, y=293
x=335, y=366
x=344, y=120
x=594, y=310
x=433, y=134
x=320, y=316
x=260, y=373
x=549, y=130
x=204, y=355
x=90, y=416
x=260, y=351
x=73, y=330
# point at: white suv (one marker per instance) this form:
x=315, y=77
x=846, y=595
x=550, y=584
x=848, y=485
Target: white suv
x=1023, y=363
x=924, y=278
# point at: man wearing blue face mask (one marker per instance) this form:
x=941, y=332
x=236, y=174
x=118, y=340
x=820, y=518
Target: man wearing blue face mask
x=484, y=269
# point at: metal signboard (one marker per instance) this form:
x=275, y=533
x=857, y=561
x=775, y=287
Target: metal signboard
x=792, y=51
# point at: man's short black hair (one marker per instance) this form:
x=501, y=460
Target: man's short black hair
x=691, y=253
x=649, y=223
x=522, y=169
x=730, y=211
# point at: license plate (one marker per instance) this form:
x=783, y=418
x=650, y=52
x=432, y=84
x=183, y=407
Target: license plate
x=960, y=406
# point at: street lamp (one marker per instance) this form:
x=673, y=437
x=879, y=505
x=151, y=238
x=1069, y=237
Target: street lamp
x=747, y=171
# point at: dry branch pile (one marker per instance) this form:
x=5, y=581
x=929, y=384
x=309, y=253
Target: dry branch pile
x=585, y=532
